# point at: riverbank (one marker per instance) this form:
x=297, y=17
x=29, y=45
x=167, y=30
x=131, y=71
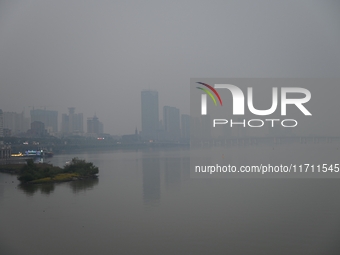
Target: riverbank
x=96, y=146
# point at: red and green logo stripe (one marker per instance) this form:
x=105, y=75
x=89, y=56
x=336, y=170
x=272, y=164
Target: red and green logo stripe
x=209, y=93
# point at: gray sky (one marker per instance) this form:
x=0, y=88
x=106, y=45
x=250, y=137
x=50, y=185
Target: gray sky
x=98, y=55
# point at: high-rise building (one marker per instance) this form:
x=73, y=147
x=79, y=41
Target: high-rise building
x=72, y=123
x=64, y=123
x=37, y=129
x=1, y=124
x=26, y=124
x=171, y=123
x=7, y=132
x=185, y=127
x=94, y=126
x=100, y=128
x=150, y=115
x=15, y=122
x=49, y=118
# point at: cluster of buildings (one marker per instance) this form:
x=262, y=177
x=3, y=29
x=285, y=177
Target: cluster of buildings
x=174, y=127
x=44, y=122
x=12, y=123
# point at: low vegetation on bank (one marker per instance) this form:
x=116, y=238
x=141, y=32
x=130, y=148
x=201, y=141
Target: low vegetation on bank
x=45, y=173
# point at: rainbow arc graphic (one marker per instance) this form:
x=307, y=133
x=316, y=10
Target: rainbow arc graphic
x=209, y=92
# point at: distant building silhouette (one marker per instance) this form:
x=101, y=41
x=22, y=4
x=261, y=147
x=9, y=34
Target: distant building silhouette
x=1, y=124
x=200, y=129
x=195, y=130
x=5, y=151
x=185, y=127
x=171, y=122
x=37, y=129
x=94, y=126
x=72, y=123
x=131, y=138
x=7, y=132
x=49, y=118
x=16, y=122
x=150, y=115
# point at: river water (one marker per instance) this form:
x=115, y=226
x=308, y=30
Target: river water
x=144, y=202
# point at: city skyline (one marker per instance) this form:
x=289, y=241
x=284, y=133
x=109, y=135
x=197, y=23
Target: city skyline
x=73, y=123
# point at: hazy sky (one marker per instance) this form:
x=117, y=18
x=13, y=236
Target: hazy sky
x=97, y=56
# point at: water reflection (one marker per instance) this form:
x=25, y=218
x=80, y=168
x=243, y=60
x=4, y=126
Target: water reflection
x=172, y=168
x=83, y=185
x=185, y=165
x=163, y=172
x=151, y=177
x=48, y=188
x=30, y=189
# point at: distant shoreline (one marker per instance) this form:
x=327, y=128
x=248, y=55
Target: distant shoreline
x=61, y=149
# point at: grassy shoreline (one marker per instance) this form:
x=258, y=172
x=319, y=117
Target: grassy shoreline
x=65, y=177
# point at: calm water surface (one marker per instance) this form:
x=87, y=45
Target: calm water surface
x=144, y=202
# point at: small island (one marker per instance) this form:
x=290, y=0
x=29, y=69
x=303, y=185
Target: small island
x=77, y=169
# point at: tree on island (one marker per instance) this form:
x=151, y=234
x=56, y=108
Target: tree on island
x=31, y=171
x=81, y=167
x=40, y=173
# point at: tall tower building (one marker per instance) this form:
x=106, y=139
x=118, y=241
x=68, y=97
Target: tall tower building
x=171, y=123
x=150, y=115
x=94, y=126
x=72, y=123
x=15, y=122
x=64, y=123
x=49, y=118
x=71, y=119
x=1, y=124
